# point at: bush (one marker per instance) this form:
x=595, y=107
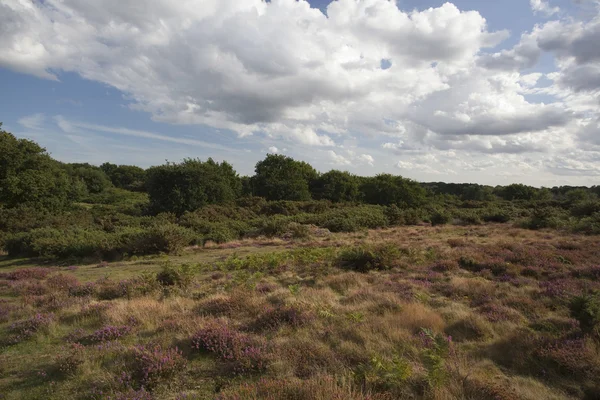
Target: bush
x=181, y=276
x=244, y=352
x=496, y=215
x=365, y=258
x=586, y=310
x=440, y=218
x=545, y=217
x=161, y=238
x=153, y=364
x=25, y=329
x=58, y=243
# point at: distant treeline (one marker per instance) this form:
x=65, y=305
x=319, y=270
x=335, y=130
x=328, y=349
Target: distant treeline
x=53, y=209
x=29, y=176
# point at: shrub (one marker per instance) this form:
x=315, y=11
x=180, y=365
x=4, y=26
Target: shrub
x=25, y=329
x=545, y=217
x=61, y=243
x=69, y=360
x=496, y=215
x=36, y=273
x=181, y=276
x=109, y=333
x=365, y=258
x=440, y=218
x=245, y=353
x=586, y=310
x=161, y=238
x=153, y=364
x=274, y=317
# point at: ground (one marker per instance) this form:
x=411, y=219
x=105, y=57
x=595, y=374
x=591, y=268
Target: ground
x=416, y=312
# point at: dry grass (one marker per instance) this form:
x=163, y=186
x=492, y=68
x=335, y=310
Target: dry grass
x=327, y=333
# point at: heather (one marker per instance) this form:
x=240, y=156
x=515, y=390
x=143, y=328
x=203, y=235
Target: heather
x=417, y=312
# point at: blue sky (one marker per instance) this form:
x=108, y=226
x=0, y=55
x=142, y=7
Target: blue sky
x=476, y=91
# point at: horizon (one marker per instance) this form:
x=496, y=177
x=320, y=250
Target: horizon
x=459, y=92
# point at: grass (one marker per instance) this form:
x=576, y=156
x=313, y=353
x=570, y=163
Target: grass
x=420, y=312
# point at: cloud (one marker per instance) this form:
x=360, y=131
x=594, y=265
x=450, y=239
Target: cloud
x=366, y=159
x=281, y=68
x=33, y=121
x=75, y=126
x=283, y=72
x=337, y=159
x=273, y=150
x=543, y=7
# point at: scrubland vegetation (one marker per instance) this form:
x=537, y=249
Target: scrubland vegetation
x=186, y=281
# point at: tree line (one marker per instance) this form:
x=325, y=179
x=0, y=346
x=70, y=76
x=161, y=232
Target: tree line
x=30, y=176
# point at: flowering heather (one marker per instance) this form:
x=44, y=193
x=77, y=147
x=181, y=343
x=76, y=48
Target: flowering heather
x=246, y=353
x=83, y=290
x=153, y=363
x=6, y=310
x=25, y=329
x=36, y=273
x=496, y=313
x=108, y=333
x=62, y=282
x=70, y=359
x=274, y=317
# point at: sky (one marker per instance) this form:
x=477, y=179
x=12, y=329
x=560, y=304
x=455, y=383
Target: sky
x=493, y=92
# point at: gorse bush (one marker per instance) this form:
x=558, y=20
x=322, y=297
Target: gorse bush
x=366, y=258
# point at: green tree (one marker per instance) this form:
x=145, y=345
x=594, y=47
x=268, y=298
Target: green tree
x=336, y=186
x=94, y=178
x=387, y=189
x=128, y=177
x=29, y=176
x=190, y=185
x=517, y=191
x=282, y=178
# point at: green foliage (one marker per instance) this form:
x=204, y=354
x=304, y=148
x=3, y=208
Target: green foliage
x=545, y=217
x=160, y=238
x=517, y=191
x=170, y=275
x=436, y=350
x=366, y=258
x=336, y=186
x=190, y=185
x=353, y=219
x=93, y=178
x=586, y=310
x=129, y=177
x=383, y=374
x=589, y=225
x=29, y=177
x=282, y=178
x=386, y=189
x=440, y=217
x=496, y=215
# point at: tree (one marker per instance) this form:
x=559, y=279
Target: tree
x=336, y=186
x=279, y=177
x=517, y=191
x=29, y=176
x=128, y=177
x=190, y=185
x=94, y=178
x=387, y=189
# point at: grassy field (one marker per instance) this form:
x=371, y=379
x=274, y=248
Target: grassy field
x=419, y=312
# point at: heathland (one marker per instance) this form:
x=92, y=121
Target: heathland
x=187, y=281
